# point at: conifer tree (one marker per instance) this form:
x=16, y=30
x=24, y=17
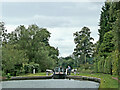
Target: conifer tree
x=84, y=46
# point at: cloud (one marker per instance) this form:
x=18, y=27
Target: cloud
x=53, y=21
x=64, y=40
x=10, y=28
x=61, y=20
x=53, y=0
x=50, y=9
x=52, y=14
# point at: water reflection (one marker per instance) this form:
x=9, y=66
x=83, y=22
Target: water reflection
x=49, y=83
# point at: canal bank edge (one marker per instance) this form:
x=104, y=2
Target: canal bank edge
x=85, y=78
x=29, y=78
x=50, y=77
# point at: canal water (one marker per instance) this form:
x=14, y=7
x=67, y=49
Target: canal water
x=49, y=83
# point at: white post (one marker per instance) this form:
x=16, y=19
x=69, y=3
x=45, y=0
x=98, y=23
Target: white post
x=46, y=73
x=33, y=71
x=66, y=71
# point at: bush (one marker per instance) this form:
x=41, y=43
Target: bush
x=8, y=76
x=107, y=65
x=115, y=62
x=3, y=73
x=29, y=67
x=86, y=68
x=101, y=65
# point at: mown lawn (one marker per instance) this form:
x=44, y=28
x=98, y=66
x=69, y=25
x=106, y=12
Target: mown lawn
x=106, y=80
x=36, y=74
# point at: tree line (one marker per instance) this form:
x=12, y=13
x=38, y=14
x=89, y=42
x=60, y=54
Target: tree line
x=108, y=47
x=26, y=49
x=104, y=55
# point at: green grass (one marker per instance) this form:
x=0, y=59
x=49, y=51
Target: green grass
x=106, y=80
x=36, y=74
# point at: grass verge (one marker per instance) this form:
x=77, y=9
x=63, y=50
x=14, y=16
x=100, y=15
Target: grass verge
x=36, y=74
x=106, y=80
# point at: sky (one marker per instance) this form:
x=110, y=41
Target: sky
x=61, y=19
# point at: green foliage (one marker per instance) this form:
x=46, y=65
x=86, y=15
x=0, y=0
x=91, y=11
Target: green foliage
x=109, y=42
x=29, y=67
x=67, y=61
x=101, y=65
x=96, y=64
x=8, y=76
x=105, y=26
x=84, y=46
x=115, y=62
x=86, y=68
x=12, y=57
x=107, y=65
x=27, y=48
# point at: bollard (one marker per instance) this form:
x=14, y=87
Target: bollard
x=33, y=71
x=46, y=73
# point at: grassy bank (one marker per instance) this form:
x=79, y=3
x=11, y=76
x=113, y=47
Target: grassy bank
x=106, y=80
x=36, y=74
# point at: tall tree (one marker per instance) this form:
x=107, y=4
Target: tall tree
x=105, y=26
x=116, y=30
x=84, y=46
x=108, y=44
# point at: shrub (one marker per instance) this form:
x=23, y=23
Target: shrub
x=8, y=76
